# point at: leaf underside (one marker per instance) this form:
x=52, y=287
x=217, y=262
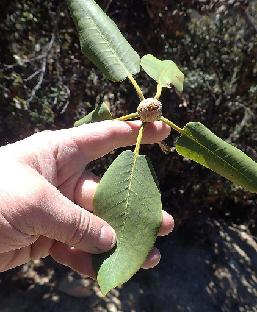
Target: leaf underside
x=102, y=42
x=129, y=200
x=100, y=113
x=165, y=73
x=201, y=145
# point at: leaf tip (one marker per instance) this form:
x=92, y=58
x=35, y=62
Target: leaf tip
x=104, y=290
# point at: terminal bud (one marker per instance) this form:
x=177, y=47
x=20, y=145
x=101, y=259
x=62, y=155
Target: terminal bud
x=149, y=110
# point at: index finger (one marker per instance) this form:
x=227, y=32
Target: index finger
x=97, y=139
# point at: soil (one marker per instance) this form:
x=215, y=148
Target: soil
x=210, y=266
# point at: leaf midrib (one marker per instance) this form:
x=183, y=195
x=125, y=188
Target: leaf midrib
x=111, y=266
x=108, y=44
x=215, y=155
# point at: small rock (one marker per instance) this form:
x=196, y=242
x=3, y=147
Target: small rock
x=76, y=287
x=111, y=307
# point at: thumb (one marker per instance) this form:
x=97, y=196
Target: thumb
x=59, y=218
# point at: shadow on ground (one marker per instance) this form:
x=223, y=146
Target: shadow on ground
x=210, y=268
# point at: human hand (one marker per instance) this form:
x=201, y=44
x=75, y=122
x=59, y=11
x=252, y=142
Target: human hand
x=46, y=195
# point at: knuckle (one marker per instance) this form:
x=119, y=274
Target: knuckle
x=40, y=138
x=42, y=134
x=36, y=195
x=83, y=228
x=45, y=138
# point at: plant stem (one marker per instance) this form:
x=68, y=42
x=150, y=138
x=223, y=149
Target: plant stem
x=171, y=124
x=127, y=117
x=139, y=140
x=158, y=92
x=137, y=88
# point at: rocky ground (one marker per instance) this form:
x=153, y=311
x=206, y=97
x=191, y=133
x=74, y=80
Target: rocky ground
x=208, y=267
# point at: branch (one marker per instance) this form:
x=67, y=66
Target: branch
x=30, y=60
x=107, y=6
x=42, y=70
x=33, y=75
x=248, y=115
x=250, y=21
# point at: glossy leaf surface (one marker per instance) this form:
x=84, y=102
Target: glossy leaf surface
x=165, y=73
x=129, y=200
x=201, y=145
x=100, y=113
x=102, y=42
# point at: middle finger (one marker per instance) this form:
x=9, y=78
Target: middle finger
x=84, y=195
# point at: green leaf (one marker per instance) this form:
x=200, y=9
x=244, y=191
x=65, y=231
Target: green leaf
x=198, y=143
x=129, y=200
x=102, y=42
x=100, y=113
x=164, y=72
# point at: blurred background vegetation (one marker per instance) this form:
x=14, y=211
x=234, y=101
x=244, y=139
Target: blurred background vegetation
x=46, y=83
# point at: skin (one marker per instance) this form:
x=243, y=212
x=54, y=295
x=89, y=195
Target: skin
x=46, y=195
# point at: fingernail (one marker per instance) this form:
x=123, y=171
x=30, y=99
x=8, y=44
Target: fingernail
x=107, y=237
